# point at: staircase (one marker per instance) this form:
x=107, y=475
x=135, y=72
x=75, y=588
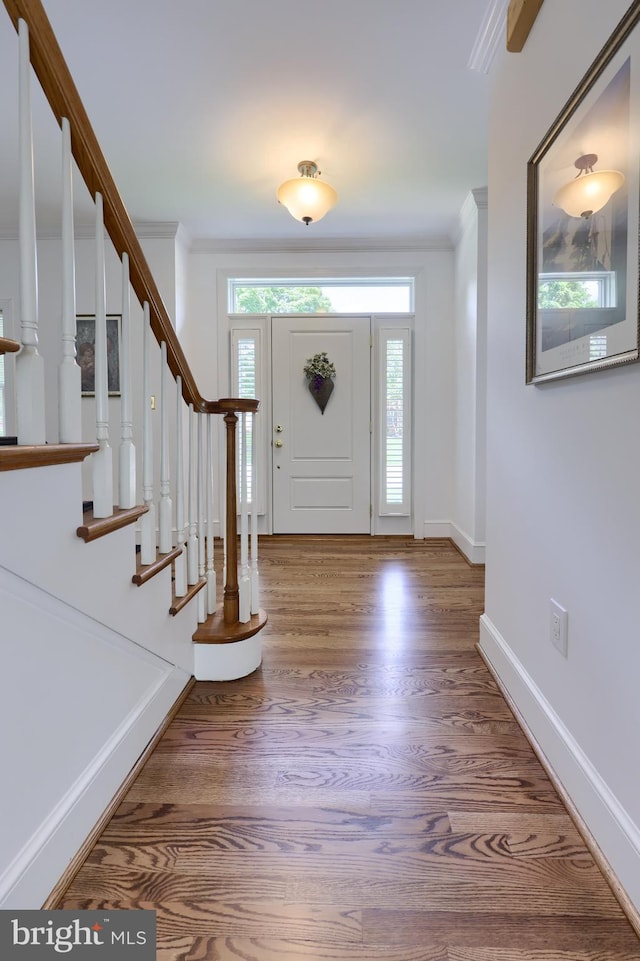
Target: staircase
x=122, y=575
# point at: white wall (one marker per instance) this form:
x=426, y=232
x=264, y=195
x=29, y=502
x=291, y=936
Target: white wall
x=563, y=462
x=468, y=520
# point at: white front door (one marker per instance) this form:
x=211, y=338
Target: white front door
x=321, y=461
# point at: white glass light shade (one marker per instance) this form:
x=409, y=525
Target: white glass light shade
x=307, y=198
x=588, y=193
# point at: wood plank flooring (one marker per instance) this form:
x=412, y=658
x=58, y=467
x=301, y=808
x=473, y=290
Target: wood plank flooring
x=365, y=796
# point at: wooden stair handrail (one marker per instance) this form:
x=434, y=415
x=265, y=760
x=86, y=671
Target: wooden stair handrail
x=60, y=90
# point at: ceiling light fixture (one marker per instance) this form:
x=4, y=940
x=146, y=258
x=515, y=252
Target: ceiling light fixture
x=590, y=190
x=305, y=197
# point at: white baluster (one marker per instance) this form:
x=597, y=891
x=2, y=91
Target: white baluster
x=102, y=460
x=148, y=520
x=180, y=565
x=127, y=474
x=166, y=507
x=29, y=364
x=211, y=570
x=201, y=515
x=255, y=576
x=244, y=585
x=69, y=375
x=192, y=542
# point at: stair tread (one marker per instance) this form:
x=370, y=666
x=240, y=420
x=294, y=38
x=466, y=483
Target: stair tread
x=179, y=603
x=22, y=457
x=215, y=631
x=144, y=572
x=8, y=346
x=94, y=527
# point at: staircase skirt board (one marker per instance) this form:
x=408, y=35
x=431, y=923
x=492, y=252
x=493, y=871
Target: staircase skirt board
x=81, y=855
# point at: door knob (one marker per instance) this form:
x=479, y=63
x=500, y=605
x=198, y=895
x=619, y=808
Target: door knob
x=278, y=443
x=279, y=428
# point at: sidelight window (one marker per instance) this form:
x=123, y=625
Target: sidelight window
x=395, y=421
x=246, y=384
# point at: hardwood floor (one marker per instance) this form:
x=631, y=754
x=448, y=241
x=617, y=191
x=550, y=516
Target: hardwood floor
x=365, y=796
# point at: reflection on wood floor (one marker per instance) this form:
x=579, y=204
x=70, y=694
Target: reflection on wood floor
x=365, y=796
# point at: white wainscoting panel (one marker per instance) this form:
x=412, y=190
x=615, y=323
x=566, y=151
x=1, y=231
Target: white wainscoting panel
x=79, y=703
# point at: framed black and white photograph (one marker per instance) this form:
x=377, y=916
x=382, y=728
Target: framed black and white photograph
x=582, y=221
x=85, y=353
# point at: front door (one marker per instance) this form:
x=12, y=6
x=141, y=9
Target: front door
x=321, y=461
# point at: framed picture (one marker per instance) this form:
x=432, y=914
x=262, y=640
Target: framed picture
x=85, y=354
x=582, y=221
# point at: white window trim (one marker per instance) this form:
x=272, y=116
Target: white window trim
x=605, y=280
x=377, y=280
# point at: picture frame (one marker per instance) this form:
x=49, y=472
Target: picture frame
x=85, y=353
x=583, y=264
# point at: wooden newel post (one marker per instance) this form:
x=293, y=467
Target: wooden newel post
x=231, y=603
x=224, y=646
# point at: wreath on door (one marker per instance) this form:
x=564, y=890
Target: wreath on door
x=320, y=372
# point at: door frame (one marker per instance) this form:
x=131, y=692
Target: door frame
x=380, y=524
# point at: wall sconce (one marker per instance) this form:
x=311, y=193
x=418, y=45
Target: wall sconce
x=305, y=197
x=590, y=190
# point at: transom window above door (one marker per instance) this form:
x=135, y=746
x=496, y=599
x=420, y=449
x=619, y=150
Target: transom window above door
x=361, y=295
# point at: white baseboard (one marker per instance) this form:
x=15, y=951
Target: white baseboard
x=436, y=529
x=33, y=873
x=614, y=835
x=472, y=550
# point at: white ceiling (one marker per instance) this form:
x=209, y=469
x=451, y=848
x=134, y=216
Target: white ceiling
x=203, y=107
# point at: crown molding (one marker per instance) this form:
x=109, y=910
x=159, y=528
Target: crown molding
x=170, y=230
x=474, y=201
x=205, y=245
x=481, y=197
x=492, y=30
x=160, y=230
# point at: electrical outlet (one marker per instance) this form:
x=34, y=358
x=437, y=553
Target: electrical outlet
x=559, y=627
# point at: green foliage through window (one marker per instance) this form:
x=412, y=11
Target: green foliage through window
x=558, y=294
x=281, y=300
x=329, y=295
